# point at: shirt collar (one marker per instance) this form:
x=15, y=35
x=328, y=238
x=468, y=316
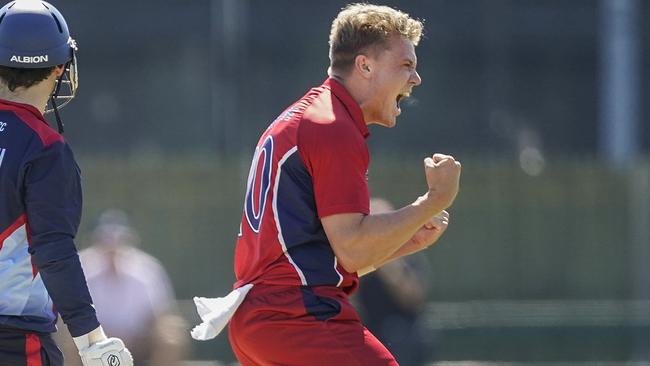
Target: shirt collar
x=350, y=104
x=33, y=110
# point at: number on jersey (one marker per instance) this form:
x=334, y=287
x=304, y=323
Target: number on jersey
x=259, y=183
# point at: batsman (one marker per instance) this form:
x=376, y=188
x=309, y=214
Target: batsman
x=40, y=197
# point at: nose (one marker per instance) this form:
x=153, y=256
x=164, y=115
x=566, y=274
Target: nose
x=415, y=79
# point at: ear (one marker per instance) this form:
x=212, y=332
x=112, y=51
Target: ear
x=59, y=70
x=363, y=65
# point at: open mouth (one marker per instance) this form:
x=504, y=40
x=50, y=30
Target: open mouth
x=399, y=99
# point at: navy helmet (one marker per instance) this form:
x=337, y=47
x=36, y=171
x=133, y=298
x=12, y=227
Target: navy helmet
x=34, y=34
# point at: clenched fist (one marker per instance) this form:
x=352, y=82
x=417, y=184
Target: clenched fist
x=443, y=178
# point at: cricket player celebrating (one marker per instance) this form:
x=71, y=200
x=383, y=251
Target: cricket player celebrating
x=306, y=232
x=40, y=198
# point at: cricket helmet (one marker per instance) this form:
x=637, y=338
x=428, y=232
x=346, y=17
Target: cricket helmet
x=34, y=34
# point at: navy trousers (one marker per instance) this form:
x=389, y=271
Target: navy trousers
x=28, y=349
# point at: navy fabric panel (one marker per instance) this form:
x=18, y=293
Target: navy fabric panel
x=322, y=308
x=301, y=228
x=13, y=140
x=28, y=324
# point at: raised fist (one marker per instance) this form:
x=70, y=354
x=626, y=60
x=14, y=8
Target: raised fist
x=443, y=177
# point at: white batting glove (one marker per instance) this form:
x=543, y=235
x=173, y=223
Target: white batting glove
x=95, y=349
x=216, y=312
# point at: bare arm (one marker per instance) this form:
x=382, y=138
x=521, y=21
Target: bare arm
x=361, y=241
x=426, y=236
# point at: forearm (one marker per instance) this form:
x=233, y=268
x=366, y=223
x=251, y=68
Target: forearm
x=60, y=269
x=371, y=268
x=404, y=250
x=374, y=239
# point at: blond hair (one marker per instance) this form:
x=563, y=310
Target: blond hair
x=360, y=28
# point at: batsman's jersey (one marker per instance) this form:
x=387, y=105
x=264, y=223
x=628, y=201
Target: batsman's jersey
x=311, y=162
x=40, y=209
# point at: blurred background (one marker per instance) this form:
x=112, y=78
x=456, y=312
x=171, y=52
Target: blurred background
x=547, y=258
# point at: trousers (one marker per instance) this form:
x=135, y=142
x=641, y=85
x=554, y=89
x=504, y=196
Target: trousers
x=19, y=348
x=300, y=326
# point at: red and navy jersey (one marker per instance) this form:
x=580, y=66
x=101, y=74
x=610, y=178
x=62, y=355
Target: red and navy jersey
x=311, y=162
x=40, y=210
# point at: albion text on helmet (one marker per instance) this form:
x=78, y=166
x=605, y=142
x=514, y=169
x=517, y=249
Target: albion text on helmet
x=29, y=59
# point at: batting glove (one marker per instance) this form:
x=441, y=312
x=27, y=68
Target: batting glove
x=216, y=313
x=95, y=349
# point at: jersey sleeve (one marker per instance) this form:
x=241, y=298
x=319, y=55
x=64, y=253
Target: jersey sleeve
x=53, y=201
x=337, y=158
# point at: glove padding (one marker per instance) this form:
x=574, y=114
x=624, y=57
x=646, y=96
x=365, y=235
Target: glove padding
x=109, y=352
x=216, y=313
